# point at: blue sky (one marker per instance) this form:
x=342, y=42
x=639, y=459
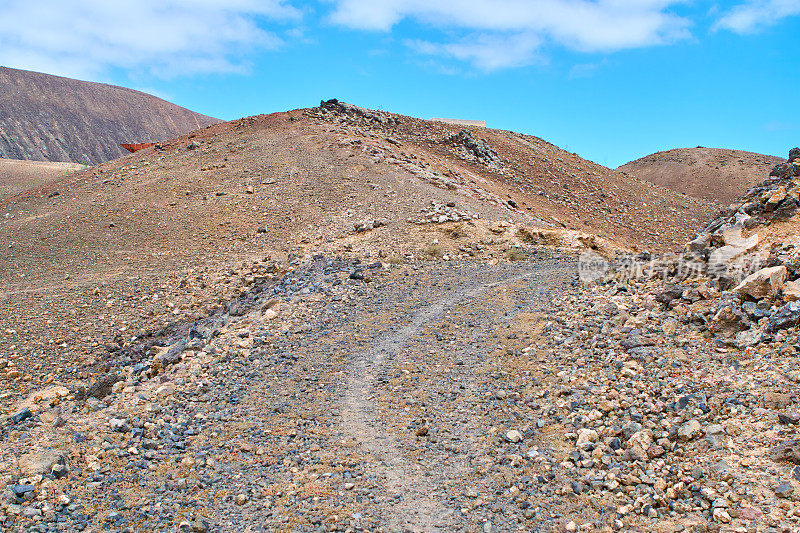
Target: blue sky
x=612, y=80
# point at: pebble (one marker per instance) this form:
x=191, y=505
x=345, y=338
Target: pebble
x=513, y=436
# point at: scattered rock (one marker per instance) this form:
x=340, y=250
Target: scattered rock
x=39, y=463
x=689, y=430
x=766, y=283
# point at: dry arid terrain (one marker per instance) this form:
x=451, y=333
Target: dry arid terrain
x=51, y=118
x=18, y=176
x=713, y=174
x=338, y=319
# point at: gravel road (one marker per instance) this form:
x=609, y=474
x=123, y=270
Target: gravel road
x=365, y=404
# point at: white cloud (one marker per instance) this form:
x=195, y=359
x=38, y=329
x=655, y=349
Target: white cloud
x=503, y=33
x=87, y=38
x=487, y=52
x=586, y=70
x=757, y=14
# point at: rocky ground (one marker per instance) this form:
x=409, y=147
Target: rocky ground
x=423, y=396
x=342, y=396
x=425, y=361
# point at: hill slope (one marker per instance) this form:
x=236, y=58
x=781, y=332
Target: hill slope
x=17, y=176
x=50, y=118
x=294, y=184
x=715, y=174
x=303, y=247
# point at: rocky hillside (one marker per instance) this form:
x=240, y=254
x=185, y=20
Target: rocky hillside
x=338, y=319
x=50, y=118
x=713, y=174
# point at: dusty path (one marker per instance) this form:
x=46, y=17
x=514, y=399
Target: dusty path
x=418, y=509
x=362, y=407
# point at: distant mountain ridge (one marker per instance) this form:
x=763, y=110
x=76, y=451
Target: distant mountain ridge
x=715, y=174
x=52, y=118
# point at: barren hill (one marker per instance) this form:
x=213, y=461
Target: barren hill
x=51, y=118
x=372, y=319
x=299, y=182
x=714, y=174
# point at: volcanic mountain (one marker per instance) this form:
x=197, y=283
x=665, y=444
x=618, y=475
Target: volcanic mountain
x=51, y=118
x=714, y=174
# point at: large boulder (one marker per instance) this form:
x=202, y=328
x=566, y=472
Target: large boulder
x=794, y=153
x=766, y=283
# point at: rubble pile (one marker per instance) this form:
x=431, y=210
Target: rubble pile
x=681, y=379
x=440, y=213
x=474, y=149
x=354, y=113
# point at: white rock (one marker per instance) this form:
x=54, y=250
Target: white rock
x=690, y=430
x=767, y=282
x=721, y=515
x=513, y=436
x=585, y=437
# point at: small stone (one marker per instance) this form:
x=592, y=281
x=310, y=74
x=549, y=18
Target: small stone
x=119, y=425
x=776, y=400
x=198, y=525
x=655, y=451
x=59, y=471
x=241, y=499
x=22, y=415
x=784, y=490
x=21, y=490
x=585, y=437
x=514, y=436
x=641, y=439
x=689, y=430
x=789, y=418
x=571, y=526
x=489, y=527
x=721, y=467
x=721, y=515
x=421, y=431
x=791, y=291
x=715, y=434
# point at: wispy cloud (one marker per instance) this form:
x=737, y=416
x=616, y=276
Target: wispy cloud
x=755, y=15
x=508, y=33
x=86, y=38
x=586, y=70
x=487, y=52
